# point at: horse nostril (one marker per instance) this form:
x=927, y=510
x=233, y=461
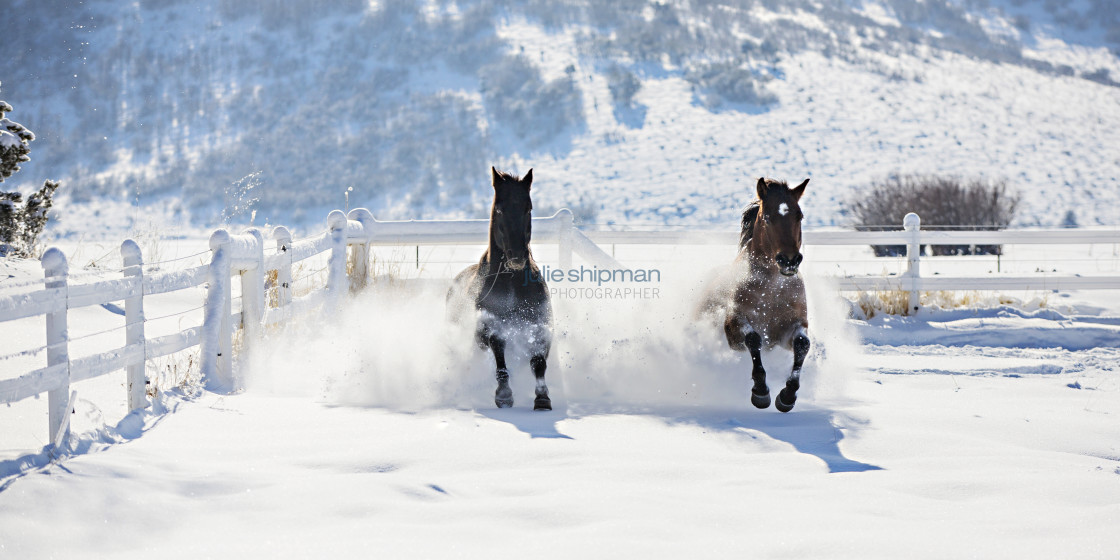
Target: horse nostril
x=788, y=262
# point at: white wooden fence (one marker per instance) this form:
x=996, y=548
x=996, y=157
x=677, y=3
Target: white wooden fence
x=913, y=238
x=240, y=255
x=243, y=255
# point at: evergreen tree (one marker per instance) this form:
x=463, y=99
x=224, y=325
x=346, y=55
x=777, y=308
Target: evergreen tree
x=14, y=140
x=20, y=226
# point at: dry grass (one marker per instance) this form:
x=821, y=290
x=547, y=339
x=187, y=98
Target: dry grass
x=388, y=272
x=868, y=304
x=177, y=371
x=304, y=283
x=272, y=288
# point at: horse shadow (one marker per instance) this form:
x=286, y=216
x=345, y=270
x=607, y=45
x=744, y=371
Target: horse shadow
x=811, y=431
x=536, y=423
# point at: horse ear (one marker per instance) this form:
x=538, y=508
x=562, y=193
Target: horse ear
x=494, y=179
x=799, y=190
x=761, y=188
x=527, y=180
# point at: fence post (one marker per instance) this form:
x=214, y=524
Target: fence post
x=283, y=239
x=336, y=266
x=55, y=271
x=134, y=325
x=252, y=294
x=359, y=252
x=913, y=224
x=564, y=243
x=216, y=361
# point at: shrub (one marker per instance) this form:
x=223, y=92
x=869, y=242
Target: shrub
x=943, y=202
x=20, y=226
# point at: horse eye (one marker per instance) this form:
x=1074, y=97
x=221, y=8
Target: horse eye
x=498, y=211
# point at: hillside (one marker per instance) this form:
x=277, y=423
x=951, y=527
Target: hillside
x=631, y=112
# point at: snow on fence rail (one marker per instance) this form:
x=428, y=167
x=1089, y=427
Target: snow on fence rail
x=349, y=239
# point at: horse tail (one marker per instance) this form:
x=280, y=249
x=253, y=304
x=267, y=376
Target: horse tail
x=749, y=217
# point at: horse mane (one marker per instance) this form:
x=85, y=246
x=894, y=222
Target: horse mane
x=506, y=176
x=749, y=217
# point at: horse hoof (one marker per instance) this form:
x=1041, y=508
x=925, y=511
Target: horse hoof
x=503, y=397
x=542, y=403
x=785, y=401
x=760, y=401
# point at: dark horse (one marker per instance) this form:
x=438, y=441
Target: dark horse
x=507, y=304
x=762, y=300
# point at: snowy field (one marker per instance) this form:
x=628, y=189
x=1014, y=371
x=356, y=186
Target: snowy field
x=984, y=426
x=987, y=430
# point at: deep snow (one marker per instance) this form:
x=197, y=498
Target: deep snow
x=373, y=431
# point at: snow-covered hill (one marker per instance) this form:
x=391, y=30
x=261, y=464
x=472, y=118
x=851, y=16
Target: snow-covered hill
x=630, y=112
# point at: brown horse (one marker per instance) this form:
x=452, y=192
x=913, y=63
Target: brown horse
x=762, y=300
x=507, y=305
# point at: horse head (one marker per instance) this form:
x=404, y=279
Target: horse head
x=777, y=235
x=511, y=221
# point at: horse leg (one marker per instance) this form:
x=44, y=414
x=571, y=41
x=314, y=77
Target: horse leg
x=742, y=336
x=760, y=393
x=540, y=342
x=788, y=396
x=503, y=396
x=542, y=402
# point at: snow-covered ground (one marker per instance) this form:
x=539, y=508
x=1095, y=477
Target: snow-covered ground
x=984, y=431
x=984, y=426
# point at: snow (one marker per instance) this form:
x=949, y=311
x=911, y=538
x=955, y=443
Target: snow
x=989, y=461
x=9, y=140
x=374, y=429
x=982, y=426
x=880, y=14
x=1021, y=91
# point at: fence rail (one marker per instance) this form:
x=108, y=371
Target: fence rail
x=849, y=237
x=348, y=241
x=913, y=238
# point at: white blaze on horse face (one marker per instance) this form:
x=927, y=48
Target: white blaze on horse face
x=783, y=209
